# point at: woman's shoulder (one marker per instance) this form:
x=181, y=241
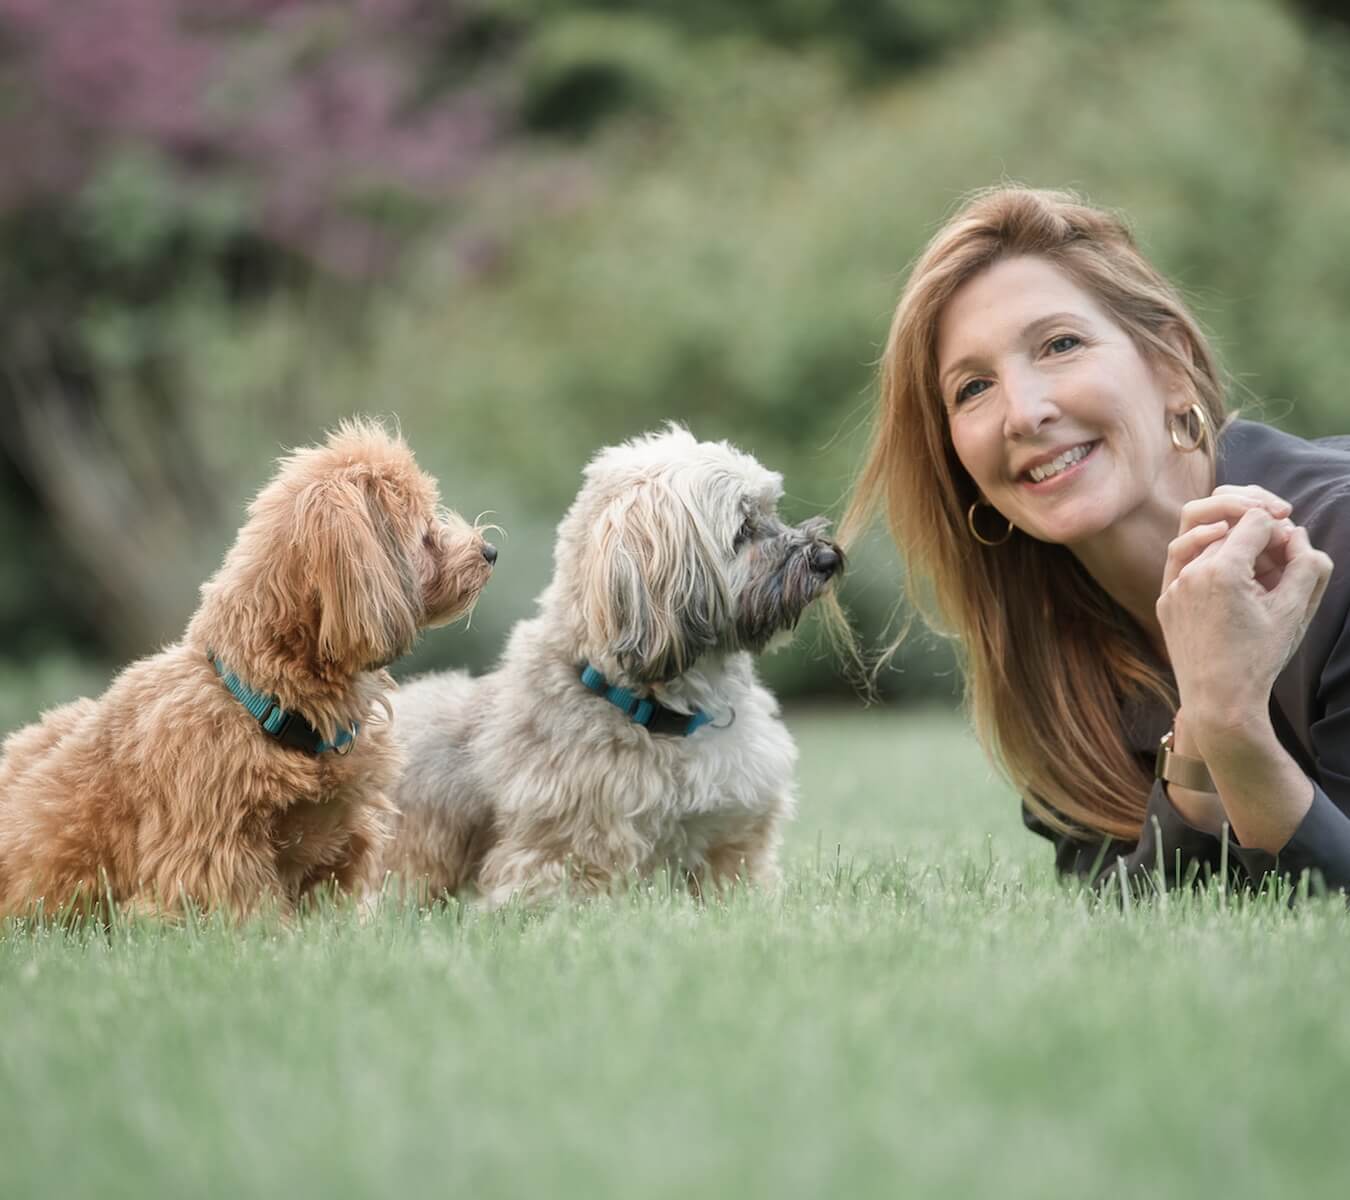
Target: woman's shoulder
x=1251, y=449
x=1313, y=475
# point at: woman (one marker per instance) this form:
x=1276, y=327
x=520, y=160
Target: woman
x=1119, y=558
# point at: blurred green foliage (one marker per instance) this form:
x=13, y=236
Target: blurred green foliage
x=706, y=213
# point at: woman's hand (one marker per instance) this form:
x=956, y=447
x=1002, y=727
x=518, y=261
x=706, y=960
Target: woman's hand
x=1237, y=597
x=1227, y=504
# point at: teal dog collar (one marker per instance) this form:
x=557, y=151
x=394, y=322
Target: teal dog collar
x=288, y=728
x=653, y=717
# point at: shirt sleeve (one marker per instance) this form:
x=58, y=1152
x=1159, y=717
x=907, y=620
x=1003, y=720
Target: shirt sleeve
x=1321, y=843
x=1321, y=670
x=1166, y=842
x=1319, y=846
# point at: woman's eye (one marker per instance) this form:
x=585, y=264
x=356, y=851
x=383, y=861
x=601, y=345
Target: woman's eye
x=1064, y=343
x=969, y=391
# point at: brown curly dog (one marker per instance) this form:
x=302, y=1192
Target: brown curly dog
x=250, y=761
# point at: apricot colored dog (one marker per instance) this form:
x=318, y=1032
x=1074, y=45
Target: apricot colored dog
x=250, y=761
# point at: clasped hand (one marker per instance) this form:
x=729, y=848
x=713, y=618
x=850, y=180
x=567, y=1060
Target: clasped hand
x=1240, y=587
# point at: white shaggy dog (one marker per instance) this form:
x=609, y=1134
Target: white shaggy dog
x=624, y=730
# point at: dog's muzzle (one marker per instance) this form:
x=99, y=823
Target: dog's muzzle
x=824, y=557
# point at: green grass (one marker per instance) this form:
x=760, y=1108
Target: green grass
x=922, y=1012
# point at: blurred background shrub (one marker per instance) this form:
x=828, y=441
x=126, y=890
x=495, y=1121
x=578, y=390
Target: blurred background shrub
x=527, y=228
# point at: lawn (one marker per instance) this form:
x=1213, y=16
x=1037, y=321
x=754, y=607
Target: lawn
x=922, y=1011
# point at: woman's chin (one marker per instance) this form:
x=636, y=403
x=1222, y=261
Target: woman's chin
x=1063, y=533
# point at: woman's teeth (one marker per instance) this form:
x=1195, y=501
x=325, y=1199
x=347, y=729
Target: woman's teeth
x=1062, y=463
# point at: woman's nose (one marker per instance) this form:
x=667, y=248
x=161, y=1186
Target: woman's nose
x=1027, y=404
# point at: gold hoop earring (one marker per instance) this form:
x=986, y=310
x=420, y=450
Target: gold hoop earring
x=975, y=533
x=1199, y=438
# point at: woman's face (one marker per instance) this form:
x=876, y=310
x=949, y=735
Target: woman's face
x=1053, y=412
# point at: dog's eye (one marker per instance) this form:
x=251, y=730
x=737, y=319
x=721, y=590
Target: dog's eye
x=744, y=534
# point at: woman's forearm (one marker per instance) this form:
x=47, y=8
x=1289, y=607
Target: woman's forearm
x=1264, y=792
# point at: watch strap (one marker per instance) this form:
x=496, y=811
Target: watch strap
x=1181, y=769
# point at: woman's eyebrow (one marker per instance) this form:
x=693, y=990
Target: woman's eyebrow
x=1041, y=324
x=970, y=360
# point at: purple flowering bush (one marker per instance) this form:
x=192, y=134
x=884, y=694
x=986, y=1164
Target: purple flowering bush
x=306, y=112
x=160, y=156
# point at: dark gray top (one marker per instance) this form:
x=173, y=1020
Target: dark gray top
x=1310, y=703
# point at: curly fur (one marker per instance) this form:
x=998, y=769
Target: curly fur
x=166, y=790
x=671, y=568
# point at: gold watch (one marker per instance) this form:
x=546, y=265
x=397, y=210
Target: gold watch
x=1179, y=769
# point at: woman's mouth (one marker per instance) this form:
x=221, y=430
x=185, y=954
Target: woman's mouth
x=1061, y=467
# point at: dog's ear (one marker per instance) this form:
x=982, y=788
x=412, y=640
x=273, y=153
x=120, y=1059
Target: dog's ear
x=654, y=595
x=354, y=560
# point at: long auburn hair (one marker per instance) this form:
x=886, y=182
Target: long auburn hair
x=1049, y=657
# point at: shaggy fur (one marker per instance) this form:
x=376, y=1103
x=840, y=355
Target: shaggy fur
x=166, y=789
x=672, y=567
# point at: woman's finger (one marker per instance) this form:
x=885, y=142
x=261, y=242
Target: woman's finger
x=1228, y=504
x=1260, y=548
x=1187, y=547
x=1306, y=575
x=1277, y=506
x=1270, y=563
x=1246, y=541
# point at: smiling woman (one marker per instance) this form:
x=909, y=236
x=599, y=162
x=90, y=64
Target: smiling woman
x=1139, y=582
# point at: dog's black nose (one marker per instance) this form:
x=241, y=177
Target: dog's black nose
x=490, y=552
x=826, y=560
